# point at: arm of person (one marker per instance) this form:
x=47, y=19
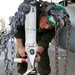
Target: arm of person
x=19, y=39
x=44, y=41
x=21, y=48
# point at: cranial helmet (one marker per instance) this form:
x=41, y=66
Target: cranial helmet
x=50, y=18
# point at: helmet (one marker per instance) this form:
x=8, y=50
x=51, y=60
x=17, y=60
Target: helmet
x=50, y=18
x=59, y=6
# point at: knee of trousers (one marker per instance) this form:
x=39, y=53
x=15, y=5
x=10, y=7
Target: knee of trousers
x=44, y=70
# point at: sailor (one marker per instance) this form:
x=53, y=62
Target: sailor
x=44, y=34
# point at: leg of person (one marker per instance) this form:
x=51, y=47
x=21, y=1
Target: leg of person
x=21, y=67
x=44, y=65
